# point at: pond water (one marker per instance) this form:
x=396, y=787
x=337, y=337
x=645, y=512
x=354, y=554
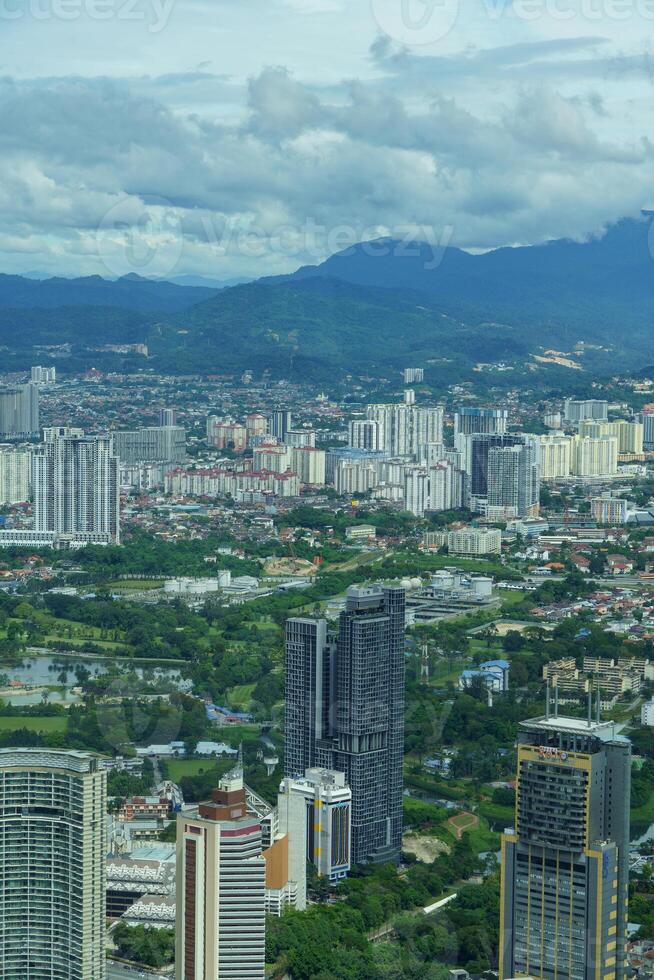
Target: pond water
x=39, y=670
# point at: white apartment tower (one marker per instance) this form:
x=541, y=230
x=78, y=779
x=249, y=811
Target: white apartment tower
x=221, y=882
x=52, y=865
x=555, y=456
x=403, y=428
x=15, y=475
x=76, y=488
x=364, y=434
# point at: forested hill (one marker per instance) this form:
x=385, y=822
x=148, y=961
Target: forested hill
x=562, y=308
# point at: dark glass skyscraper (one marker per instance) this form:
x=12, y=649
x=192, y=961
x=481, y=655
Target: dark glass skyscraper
x=345, y=711
x=563, y=913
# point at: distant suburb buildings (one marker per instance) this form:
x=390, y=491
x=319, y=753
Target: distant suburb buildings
x=345, y=711
x=565, y=864
x=52, y=859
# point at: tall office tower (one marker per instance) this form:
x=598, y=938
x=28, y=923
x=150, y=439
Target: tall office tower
x=167, y=417
x=476, y=450
x=15, y=475
x=576, y=410
x=43, y=375
x=19, y=411
x=492, y=421
x=513, y=480
x=154, y=444
x=403, y=428
x=647, y=419
x=446, y=486
x=76, y=488
x=565, y=864
x=413, y=375
x=315, y=811
x=594, y=457
x=364, y=434
x=308, y=692
x=279, y=423
x=345, y=711
x=221, y=919
x=52, y=865
x=555, y=456
x=416, y=490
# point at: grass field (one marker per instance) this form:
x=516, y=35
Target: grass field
x=240, y=696
x=188, y=767
x=55, y=723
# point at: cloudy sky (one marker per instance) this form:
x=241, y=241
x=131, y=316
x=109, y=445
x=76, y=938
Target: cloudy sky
x=246, y=137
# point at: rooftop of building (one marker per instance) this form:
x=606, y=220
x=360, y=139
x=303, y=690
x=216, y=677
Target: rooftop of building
x=605, y=731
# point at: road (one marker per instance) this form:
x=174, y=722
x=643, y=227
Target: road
x=116, y=971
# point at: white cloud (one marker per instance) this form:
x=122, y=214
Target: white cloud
x=279, y=129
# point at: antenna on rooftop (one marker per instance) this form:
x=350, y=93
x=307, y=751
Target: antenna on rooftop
x=590, y=706
x=556, y=700
x=547, y=698
x=599, y=706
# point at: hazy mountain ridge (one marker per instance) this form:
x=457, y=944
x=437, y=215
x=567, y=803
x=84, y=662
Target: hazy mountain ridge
x=361, y=310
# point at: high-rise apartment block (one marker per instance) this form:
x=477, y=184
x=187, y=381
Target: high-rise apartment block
x=576, y=410
x=221, y=880
x=594, y=457
x=309, y=464
x=492, y=421
x=43, y=375
x=565, y=864
x=226, y=434
x=513, y=480
x=504, y=473
x=52, y=865
x=15, y=475
x=345, y=711
x=555, y=456
x=300, y=438
x=279, y=422
x=364, y=434
x=403, y=428
x=19, y=411
x=167, y=417
x=153, y=444
x=76, y=489
x=628, y=434
x=413, y=375
x=647, y=420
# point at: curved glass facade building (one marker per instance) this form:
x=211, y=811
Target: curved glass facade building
x=52, y=865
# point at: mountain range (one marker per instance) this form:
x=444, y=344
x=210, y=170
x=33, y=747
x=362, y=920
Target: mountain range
x=559, y=307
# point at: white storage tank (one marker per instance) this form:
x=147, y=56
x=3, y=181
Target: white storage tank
x=482, y=586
